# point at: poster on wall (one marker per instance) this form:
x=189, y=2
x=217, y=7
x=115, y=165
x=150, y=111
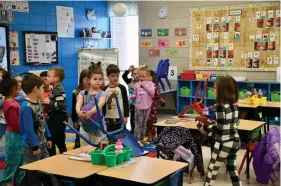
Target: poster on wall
x=154, y=53
x=14, y=55
x=18, y=6
x=65, y=22
x=180, y=31
x=146, y=43
x=40, y=47
x=162, y=32
x=14, y=39
x=181, y=43
x=172, y=52
x=146, y=32
x=163, y=43
x=3, y=48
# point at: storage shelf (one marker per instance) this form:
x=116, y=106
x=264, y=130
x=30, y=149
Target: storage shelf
x=267, y=87
x=95, y=38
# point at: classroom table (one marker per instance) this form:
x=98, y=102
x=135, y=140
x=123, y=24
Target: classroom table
x=253, y=109
x=270, y=109
x=75, y=152
x=61, y=165
x=174, y=93
x=146, y=171
x=247, y=127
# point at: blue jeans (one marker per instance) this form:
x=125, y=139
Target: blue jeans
x=29, y=157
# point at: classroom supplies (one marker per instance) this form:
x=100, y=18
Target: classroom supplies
x=184, y=91
x=188, y=75
x=118, y=146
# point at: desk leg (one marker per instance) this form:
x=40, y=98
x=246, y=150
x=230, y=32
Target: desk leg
x=248, y=164
x=267, y=123
x=175, y=101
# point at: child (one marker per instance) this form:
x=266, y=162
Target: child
x=4, y=74
x=57, y=110
x=130, y=82
x=227, y=141
x=110, y=109
x=83, y=85
x=152, y=119
x=21, y=94
x=47, y=92
x=14, y=154
x=143, y=94
x=85, y=97
x=35, y=134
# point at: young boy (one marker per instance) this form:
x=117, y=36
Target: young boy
x=47, y=91
x=57, y=110
x=110, y=109
x=33, y=129
x=130, y=82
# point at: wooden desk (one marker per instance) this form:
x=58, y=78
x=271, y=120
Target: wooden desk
x=61, y=165
x=145, y=170
x=270, y=109
x=77, y=151
x=248, y=125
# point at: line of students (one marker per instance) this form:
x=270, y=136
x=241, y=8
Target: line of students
x=144, y=96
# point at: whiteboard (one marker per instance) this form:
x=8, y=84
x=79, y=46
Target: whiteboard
x=88, y=55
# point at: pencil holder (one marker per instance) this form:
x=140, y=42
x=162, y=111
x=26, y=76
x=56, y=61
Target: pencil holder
x=97, y=157
x=127, y=153
x=120, y=157
x=110, y=159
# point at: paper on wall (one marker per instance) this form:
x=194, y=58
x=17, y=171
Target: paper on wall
x=65, y=22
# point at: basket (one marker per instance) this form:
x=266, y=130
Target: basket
x=255, y=100
x=211, y=93
x=184, y=91
x=127, y=153
x=110, y=159
x=199, y=76
x=275, y=96
x=97, y=157
x=242, y=94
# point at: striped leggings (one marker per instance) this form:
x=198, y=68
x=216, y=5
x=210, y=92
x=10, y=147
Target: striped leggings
x=223, y=152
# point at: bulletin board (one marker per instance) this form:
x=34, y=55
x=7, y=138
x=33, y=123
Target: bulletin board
x=40, y=48
x=86, y=56
x=239, y=38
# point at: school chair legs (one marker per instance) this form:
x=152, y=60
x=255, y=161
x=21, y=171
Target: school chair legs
x=251, y=149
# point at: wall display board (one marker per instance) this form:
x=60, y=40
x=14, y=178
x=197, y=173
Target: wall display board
x=239, y=38
x=86, y=56
x=40, y=48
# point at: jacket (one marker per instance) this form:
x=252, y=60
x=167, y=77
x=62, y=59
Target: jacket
x=265, y=156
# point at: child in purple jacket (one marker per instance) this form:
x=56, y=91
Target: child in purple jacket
x=143, y=94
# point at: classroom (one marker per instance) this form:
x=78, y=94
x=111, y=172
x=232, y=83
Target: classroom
x=161, y=93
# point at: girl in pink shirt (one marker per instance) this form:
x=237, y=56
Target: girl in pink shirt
x=143, y=94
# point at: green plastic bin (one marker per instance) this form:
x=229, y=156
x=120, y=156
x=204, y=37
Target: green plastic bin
x=184, y=91
x=242, y=94
x=110, y=159
x=275, y=96
x=120, y=157
x=127, y=153
x=97, y=157
x=211, y=93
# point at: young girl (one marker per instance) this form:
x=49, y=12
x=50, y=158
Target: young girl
x=14, y=152
x=95, y=79
x=227, y=140
x=152, y=119
x=21, y=94
x=83, y=85
x=4, y=74
x=143, y=94
x=130, y=82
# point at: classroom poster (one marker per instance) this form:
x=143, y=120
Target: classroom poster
x=181, y=31
x=162, y=32
x=18, y=6
x=154, y=53
x=172, y=52
x=181, y=43
x=163, y=43
x=146, y=43
x=15, y=57
x=65, y=22
x=146, y=32
x=14, y=39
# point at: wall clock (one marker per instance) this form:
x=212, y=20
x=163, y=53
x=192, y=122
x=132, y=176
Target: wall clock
x=162, y=12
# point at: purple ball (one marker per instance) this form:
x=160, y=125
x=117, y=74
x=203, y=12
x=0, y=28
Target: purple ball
x=94, y=117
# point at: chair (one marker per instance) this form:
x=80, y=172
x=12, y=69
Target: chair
x=166, y=66
x=251, y=149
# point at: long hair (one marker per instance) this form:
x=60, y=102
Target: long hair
x=84, y=73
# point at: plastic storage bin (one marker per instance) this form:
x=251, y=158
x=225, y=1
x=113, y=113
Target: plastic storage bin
x=242, y=94
x=211, y=93
x=184, y=91
x=275, y=96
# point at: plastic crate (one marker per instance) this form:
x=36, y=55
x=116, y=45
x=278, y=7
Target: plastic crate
x=242, y=94
x=275, y=96
x=184, y=91
x=211, y=93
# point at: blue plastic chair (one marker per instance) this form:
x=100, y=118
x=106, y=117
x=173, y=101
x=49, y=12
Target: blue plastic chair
x=159, y=74
x=166, y=66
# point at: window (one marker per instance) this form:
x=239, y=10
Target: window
x=125, y=38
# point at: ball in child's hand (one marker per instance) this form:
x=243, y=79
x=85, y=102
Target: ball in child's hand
x=89, y=107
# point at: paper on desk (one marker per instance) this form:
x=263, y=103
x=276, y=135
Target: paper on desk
x=81, y=157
